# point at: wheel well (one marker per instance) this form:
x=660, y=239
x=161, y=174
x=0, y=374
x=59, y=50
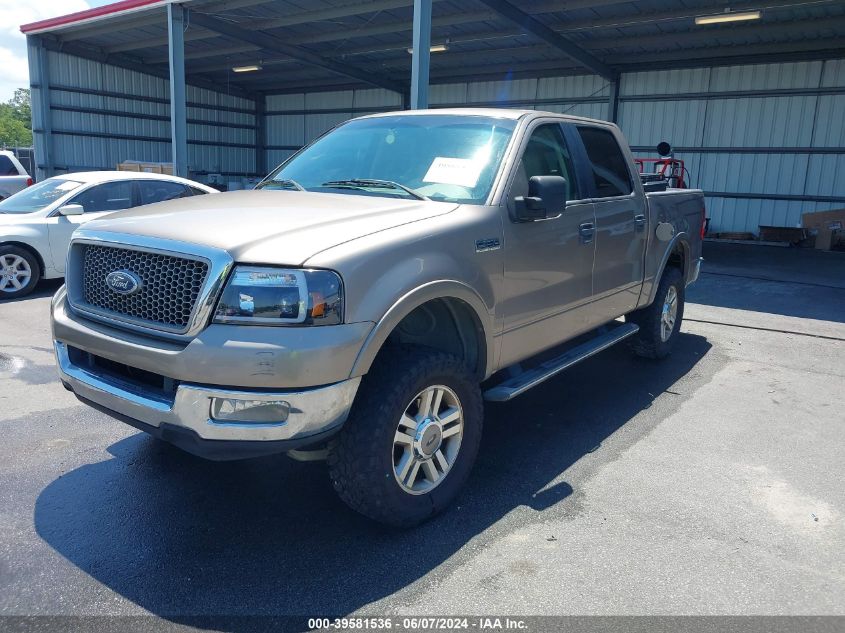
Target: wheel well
x=678, y=258
x=31, y=251
x=447, y=324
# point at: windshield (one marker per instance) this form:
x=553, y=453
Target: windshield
x=38, y=196
x=439, y=156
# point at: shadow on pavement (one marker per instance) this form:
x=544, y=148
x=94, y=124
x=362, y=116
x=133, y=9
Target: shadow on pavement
x=183, y=537
x=792, y=282
x=45, y=288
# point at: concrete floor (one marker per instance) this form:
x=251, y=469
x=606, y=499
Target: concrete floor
x=710, y=483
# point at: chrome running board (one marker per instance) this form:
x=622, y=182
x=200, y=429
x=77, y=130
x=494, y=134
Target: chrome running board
x=521, y=383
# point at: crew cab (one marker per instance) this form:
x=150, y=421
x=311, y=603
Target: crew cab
x=370, y=294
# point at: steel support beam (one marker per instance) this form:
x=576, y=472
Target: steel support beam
x=261, y=136
x=178, y=97
x=756, y=33
x=42, y=119
x=736, y=55
x=273, y=45
x=613, y=101
x=421, y=56
x=132, y=96
x=543, y=32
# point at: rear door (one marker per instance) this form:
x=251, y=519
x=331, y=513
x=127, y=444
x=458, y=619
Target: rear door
x=621, y=222
x=97, y=201
x=548, y=263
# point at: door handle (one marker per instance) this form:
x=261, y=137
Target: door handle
x=639, y=221
x=587, y=230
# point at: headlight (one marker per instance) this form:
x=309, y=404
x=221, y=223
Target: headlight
x=279, y=296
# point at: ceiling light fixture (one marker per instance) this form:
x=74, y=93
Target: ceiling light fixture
x=728, y=16
x=434, y=48
x=246, y=69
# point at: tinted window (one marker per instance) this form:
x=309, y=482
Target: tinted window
x=444, y=157
x=160, y=190
x=610, y=169
x=7, y=167
x=196, y=191
x=545, y=155
x=110, y=196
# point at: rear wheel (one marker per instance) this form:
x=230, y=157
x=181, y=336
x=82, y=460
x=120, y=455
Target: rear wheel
x=19, y=272
x=660, y=322
x=411, y=439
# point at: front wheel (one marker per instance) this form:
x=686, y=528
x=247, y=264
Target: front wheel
x=411, y=438
x=19, y=272
x=660, y=322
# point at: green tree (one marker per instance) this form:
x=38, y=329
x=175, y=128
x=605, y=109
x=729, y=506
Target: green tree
x=16, y=120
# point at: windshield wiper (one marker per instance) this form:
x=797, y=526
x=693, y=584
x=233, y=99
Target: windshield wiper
x=282, y=184
x=361, y=183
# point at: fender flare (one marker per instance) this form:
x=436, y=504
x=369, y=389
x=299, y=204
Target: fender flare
x=443, y=289
x=681, y=239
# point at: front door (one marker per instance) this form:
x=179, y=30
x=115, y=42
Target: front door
x=548, y=263
x=621, y=223
x=97, y=201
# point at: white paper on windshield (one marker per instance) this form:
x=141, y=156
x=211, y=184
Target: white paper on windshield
x=454, y=171
x=67, y=185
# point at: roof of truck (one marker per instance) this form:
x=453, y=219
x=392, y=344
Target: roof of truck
x=501, y=113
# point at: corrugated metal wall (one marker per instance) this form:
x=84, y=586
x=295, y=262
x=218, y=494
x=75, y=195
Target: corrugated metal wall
x=762, y=140
x=102, y=115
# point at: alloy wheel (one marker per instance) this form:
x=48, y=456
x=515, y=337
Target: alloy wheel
x=427, y=439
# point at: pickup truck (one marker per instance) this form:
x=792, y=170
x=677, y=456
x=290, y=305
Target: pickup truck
x=13, y=176
x=375, y=289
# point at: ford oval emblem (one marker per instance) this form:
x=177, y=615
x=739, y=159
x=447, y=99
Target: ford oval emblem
x=123, y=282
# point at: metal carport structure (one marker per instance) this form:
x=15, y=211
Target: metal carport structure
x=754, y=107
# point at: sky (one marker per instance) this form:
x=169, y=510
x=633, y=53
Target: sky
x=13, y=13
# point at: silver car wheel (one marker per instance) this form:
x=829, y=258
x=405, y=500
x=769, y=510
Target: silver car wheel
x=427, y=439
x=15, y=273
x=669, y=314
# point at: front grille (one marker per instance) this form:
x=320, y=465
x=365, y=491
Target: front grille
x=170, y=286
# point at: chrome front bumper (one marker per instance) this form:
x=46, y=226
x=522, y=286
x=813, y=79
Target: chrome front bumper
x=315, y=413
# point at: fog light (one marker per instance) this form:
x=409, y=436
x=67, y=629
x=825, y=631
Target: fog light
x=250, y=411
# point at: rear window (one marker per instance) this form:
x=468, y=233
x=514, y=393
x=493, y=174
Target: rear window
x=7, y=167
x=610, y=169
x=161, y=190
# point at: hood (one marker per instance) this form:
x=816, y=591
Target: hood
x=272, y=227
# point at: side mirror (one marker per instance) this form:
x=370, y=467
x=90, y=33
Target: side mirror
x=546, y=198
x=72, y=209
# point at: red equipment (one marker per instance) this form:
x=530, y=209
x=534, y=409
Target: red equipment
x=666, y=167
x=672, y=169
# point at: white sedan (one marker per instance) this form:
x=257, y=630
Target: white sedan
x=36, y=224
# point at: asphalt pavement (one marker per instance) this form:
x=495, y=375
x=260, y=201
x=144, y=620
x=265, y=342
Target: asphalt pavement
x=709, y=483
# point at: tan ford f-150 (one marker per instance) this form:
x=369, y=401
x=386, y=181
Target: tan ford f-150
x=370, y=294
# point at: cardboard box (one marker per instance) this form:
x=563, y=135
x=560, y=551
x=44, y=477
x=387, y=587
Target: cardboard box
x=825, y=225
x=150, y=168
